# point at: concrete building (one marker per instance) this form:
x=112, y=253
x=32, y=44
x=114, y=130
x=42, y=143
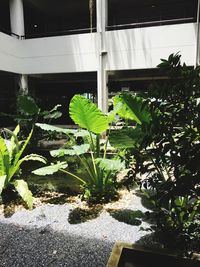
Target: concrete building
x=54, y=49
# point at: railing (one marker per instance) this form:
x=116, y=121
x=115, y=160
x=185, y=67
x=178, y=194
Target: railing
x=10, y=33
x=59, y=33
x=109, y=28
x=150, y=23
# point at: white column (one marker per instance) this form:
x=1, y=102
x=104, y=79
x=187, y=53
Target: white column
x=17, y=27
x=102, y=77
x=23, y=84
x=197, y=61
x=17, y=17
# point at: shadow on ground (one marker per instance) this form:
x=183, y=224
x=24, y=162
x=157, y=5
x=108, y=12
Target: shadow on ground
x=35, y=247
x=132, y=217
x=79, y=215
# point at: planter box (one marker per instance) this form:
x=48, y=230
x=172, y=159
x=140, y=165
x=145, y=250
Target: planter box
x=127, y=255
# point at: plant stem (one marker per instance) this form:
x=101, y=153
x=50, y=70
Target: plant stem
x=73, y=175
x=97, y=146
x=106, y=145
x=93, y=161
x=92, y=142
x=86, y=165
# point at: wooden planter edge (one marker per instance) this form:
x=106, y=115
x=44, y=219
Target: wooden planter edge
x=119, y=245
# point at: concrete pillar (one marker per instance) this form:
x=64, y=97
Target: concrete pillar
x=22, y=81
x=197, y=61
x=17, y=27
x=17, y=17
x=102, y=77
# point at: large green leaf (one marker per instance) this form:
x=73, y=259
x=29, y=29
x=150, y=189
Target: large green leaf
x=112, y=114
x=110, y=164
x=83, y=133
x=28, y=105
x=22, y=188
x=133, y=108
x=86, y=114
x=126, y=137
x=49, y=170
x=75, y=150
x=2, y=183
x=47, y=127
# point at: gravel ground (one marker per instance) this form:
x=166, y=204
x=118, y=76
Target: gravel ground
x=44, y=237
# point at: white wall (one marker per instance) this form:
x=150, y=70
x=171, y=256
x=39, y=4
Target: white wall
x=10, y=57
x=74, y=53
x=144, y=47
x=127, y=49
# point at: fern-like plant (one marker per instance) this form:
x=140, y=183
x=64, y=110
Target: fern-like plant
x=11, y=158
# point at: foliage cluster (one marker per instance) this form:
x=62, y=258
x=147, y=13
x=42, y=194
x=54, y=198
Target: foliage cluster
x=100, y=183
x=11, y=158
x=167, y=150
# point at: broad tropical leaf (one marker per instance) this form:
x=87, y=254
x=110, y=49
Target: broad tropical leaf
x=47, y=127
x=28, y=105
x=126, y=137
x=133, y=108
x=83, y=133
x=75, y=150
x=110, y=164
x=112, y=114
x=2, y=183
x=86, y=114
x=22, y=188
x=49, y=170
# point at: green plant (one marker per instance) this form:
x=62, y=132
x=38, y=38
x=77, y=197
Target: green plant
x=100, y=183
x=11, y=158
x=168, y=149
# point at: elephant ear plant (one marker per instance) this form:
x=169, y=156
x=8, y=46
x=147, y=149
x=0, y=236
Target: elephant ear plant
x=11, y=158
x=100, y=183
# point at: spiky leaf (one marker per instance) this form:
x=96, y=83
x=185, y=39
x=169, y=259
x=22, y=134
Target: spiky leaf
x=22, y=188
x=33, y=157
x=86, y=114
x=4, y=157
x=15, y=165
x=49, y=170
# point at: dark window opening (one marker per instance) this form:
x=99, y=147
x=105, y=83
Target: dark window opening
x=4, y=16
x=8, y=98
x=52, y=89
x=133, y=13
x=49, y=18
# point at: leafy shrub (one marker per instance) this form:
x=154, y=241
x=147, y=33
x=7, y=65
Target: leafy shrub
x=167, y=150
x=100, y=184
x=11, y=152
